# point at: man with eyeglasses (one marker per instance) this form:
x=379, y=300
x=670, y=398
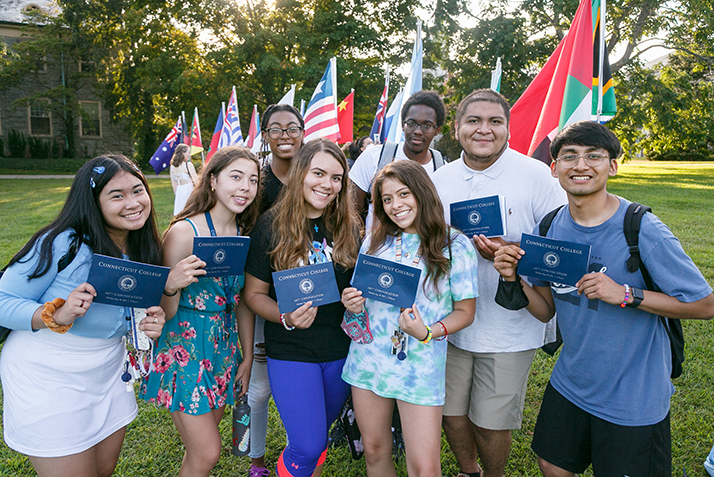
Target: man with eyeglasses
x=488, y=362
x=423, y=114
x=607, y=402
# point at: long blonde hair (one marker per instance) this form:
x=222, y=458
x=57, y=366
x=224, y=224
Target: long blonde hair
x=203, y=199
x=291, y=226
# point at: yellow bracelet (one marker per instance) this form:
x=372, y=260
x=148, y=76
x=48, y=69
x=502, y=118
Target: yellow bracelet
x=47, y=316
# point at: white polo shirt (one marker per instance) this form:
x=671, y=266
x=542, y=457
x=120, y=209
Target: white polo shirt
x=365, y=168
x=531, y=192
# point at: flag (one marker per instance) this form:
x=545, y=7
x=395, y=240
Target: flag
x=253, y=142
x=413, y=85
x=345, y=118
x=185, y=130
x=231, y=135
x=604, y=104
x=302, y=108
x=215, y=140
x=289, y=97
x=496, y=77
x=378, y=124
x=196, y=143
x=162, y=157
x=391, y=118
x=321, y=113
x=562, y=93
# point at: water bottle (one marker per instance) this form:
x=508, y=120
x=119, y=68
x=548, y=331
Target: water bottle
x=241, y=427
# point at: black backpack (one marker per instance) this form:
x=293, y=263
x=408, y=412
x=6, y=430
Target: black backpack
x=631, y=228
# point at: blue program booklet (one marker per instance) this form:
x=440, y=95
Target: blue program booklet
x=224, y=256
x=553, y=260
x=485, y=215
x=126, y=283
x=387, y=281
x=297, y=286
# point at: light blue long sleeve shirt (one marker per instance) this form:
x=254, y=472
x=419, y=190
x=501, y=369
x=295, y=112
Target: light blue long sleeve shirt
x=20, y=298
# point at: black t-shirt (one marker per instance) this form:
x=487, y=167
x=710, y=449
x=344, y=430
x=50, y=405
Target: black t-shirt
x=323, y=341
x=270, y=189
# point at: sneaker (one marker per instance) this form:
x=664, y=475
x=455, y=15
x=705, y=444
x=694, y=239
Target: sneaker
x=256, y=471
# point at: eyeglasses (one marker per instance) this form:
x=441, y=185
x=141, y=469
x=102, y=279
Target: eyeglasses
x=592, y=159
x=413, y=125
x=293, y=132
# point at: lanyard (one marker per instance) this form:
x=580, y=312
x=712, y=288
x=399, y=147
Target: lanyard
x=398, y=254
x=227, y=284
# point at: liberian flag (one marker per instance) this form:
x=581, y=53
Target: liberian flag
x=378, y=124
x=196, y=143
x=345, y=118
x=562, y=93
x=231, y=135
x=321, y=113
x=215, y=140
x=162, y=157
x=253, y=142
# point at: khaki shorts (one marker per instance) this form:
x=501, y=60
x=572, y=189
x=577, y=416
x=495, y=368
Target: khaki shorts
x=488, y=387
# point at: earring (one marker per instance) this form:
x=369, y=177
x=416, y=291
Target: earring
x=212, y=189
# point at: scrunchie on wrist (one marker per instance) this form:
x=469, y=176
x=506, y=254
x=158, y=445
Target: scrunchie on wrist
x=48, y=313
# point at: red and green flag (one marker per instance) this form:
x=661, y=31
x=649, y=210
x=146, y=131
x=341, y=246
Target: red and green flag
x=567, y=88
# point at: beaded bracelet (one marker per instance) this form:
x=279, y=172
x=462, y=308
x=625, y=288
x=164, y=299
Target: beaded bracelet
x=446, y=332
x=627, y=296
x=285, y=323
x=428, y=336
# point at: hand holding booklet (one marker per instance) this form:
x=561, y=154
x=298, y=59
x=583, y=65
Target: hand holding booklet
x=387, y=281
x=553, y=260
x=297, y=286
x=224, y=256
x=482, y=216
x=125, y=283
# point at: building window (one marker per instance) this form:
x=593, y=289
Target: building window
x=40, y=119
x=90, y=122
x=86, y=66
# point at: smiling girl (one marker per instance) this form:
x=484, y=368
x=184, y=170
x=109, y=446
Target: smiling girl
x=65, y=405
x=311, y=223
x=411, y=230
x=198, y=359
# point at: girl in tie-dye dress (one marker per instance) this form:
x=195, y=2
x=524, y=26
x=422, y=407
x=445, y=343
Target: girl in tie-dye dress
x=405, y=362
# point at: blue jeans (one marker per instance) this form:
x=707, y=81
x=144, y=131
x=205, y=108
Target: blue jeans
x=709, y=463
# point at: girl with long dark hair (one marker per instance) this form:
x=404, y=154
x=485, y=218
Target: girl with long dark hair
x=198, y=360
x=406, y=360
x=65, y=404
x=311, y=223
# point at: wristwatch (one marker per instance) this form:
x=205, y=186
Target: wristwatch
x=637, y=297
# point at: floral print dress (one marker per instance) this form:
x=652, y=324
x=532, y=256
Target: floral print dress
x=197, y=354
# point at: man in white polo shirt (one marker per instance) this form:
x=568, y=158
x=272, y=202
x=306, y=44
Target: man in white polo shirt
x=488, y=362
x=423, y=114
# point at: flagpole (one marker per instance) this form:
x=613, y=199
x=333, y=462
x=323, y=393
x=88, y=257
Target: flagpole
x=601, y=59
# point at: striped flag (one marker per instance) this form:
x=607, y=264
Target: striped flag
x=378, y=124
x=216, y=138
x=391, y=118
x=321, y=113
x=232, y=135
x=562, y=93
x=162, y=157
x=413, y=85
x=253, y=141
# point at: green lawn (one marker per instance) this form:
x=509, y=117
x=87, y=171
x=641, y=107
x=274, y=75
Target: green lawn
x=681, y=194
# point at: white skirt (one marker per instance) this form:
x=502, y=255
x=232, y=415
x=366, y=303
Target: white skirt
x=183, y=191
x=60, y=399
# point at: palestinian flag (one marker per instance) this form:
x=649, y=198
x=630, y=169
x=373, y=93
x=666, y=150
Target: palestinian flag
x=566, y=89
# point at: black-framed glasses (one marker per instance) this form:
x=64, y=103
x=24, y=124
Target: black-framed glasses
x=293, y=132
x=592, y=159
x=410, y=125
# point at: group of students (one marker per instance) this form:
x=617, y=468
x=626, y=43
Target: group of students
x=66, y=407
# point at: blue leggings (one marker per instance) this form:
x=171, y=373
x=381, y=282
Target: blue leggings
x=309, y=396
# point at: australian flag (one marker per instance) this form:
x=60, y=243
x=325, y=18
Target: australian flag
x=162, y=157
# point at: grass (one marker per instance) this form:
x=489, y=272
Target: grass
x=682, y=195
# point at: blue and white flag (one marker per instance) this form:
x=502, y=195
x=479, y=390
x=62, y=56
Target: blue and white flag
x=231, y=135
x=391, y=121
x=414, y=84
x=162, y=157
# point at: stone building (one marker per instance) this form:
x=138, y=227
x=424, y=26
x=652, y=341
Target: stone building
x=94, y=132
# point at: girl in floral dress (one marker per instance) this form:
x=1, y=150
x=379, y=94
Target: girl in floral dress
x=198, y=359
x=411, y=369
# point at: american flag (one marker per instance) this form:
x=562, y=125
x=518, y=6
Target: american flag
x=162, y=157
x=321, y=113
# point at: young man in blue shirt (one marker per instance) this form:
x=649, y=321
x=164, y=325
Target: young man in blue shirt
x=607, y=403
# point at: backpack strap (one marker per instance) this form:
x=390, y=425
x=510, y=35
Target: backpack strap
x=631, y=227
x=545, y=222
x=389, y=152
x=437, y=158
